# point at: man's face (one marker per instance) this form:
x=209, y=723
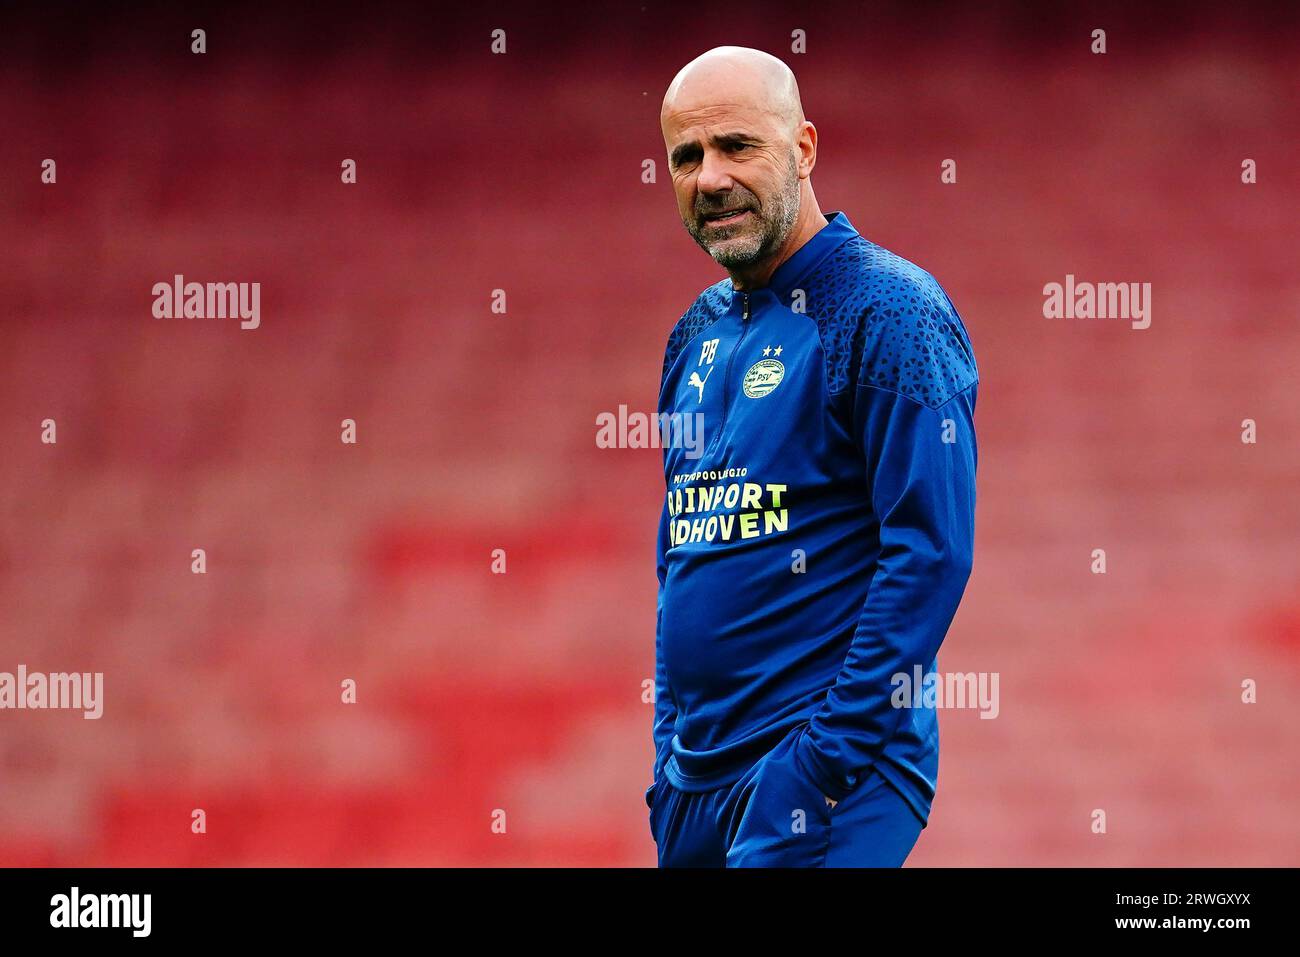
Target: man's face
x=736, y=179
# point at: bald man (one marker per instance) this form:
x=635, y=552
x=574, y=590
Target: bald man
x=812, y=557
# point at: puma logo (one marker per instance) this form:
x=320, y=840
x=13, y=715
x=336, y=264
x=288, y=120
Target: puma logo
x=696, y=381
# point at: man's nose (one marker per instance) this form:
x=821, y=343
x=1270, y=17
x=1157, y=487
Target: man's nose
x=715, y=173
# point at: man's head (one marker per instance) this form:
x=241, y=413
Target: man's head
x=740, y=153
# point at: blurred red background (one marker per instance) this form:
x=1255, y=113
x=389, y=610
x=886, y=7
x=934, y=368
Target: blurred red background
x=522, y=172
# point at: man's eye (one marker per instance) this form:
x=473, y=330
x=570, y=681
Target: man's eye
x=737, y=147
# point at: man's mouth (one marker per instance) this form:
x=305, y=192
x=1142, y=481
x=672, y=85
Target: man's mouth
x=725, y=217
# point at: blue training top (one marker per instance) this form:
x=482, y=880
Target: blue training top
x=817, y=545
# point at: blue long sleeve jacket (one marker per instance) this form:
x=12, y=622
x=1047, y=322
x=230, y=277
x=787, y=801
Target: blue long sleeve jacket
x=818, y=544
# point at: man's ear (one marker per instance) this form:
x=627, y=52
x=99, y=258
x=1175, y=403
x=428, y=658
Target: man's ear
x=807, y=145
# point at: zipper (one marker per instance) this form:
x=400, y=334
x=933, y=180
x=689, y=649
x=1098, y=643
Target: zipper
x=726, y=375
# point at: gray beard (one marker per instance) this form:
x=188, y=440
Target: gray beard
x=776, y=229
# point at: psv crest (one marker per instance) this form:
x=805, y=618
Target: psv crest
x=763, y=376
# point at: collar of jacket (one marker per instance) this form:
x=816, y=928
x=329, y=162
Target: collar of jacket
x=837, y=231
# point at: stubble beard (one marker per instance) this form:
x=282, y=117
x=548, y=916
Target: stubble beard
x=776, y=222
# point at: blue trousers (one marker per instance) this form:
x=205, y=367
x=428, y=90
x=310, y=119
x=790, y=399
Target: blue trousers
x=774, y=816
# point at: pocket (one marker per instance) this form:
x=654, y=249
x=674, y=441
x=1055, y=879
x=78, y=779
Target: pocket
x=654, y=799
x=784, y=820
x=656, y=788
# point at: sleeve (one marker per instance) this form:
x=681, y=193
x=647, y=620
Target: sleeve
x=921, y=475
x=665, y=708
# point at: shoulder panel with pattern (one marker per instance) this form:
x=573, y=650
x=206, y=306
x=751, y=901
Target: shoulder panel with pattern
x=886, y=322
x=708, y=306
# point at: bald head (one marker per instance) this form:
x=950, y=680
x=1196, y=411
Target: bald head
x=739, y=76
x=741, y=154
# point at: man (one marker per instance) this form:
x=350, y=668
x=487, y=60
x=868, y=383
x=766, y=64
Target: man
x=817, y=550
